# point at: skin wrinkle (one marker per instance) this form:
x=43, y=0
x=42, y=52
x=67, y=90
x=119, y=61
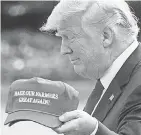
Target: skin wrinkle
x=74, y=38
x=101, y=17
x=76, y=15
x=69, y=19
x=83, y=52
x=92, y=55
x=110, y=58
x=105, y=8
x=74, y=31
x=105, y=18
x=76, y=35
x=89, y=57
x=95, y=39
x=69, y=44
x=78, y=38
x=109, y=61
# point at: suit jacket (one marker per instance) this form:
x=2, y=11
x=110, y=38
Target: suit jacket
x=121, y=114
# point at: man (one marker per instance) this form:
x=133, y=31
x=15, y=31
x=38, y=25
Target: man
x=100, y=39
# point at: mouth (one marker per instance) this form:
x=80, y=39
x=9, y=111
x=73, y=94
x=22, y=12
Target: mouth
x=74, y=61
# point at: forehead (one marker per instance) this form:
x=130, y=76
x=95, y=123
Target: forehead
x=70, y=22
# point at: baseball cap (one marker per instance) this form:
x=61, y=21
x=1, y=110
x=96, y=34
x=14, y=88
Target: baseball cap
x=40, y=100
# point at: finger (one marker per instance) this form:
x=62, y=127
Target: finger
x=68, y=127
x=56, y=130
x=70, y=116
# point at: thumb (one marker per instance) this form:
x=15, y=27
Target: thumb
x=69, y=116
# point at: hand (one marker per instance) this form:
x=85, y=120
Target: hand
x=76, y=123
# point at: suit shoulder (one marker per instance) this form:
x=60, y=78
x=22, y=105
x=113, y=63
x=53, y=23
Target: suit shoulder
x=131, y=112
x=135, y=97
x=132, y=104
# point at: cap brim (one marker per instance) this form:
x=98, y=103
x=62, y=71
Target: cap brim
x=38, y=117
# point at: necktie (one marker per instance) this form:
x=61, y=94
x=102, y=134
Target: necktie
x=94, y=97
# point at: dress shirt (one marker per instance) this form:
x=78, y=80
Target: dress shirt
x=112, y=71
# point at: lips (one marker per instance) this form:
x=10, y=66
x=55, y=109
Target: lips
x=74, y=61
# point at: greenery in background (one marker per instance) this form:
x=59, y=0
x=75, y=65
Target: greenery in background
x=26, y=54
x=25, y=51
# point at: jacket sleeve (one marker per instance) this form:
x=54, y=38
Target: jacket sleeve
x=129, y=119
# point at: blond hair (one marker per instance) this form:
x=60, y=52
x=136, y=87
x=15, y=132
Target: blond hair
x=116, y=12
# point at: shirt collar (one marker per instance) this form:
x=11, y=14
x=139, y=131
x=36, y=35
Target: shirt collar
x=117, y=64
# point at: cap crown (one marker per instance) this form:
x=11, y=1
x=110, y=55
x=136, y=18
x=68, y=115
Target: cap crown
x=40, y=95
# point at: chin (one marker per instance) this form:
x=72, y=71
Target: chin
x=89, y=73
x=80, y=70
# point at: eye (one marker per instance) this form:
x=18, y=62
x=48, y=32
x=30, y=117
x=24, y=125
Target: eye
x=64, y=37
x=68, y=37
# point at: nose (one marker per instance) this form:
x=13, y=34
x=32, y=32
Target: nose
x=65, y=49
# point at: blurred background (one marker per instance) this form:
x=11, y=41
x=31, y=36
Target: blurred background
x=26, y=52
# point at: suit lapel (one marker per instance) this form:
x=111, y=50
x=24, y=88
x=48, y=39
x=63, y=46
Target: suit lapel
x=115, y=89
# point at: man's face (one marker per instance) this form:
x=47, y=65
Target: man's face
x=85, y=52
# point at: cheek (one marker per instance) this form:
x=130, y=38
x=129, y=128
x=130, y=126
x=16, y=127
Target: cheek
x=84, y=46
x=92, y=58
x=96, y=60
x=89, y=51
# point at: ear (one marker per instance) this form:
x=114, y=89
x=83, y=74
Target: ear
x=107, y=37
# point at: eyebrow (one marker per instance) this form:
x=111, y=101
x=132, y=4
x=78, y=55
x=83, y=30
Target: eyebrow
x=59, y=32
x=52, y=32
x=62, y=32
